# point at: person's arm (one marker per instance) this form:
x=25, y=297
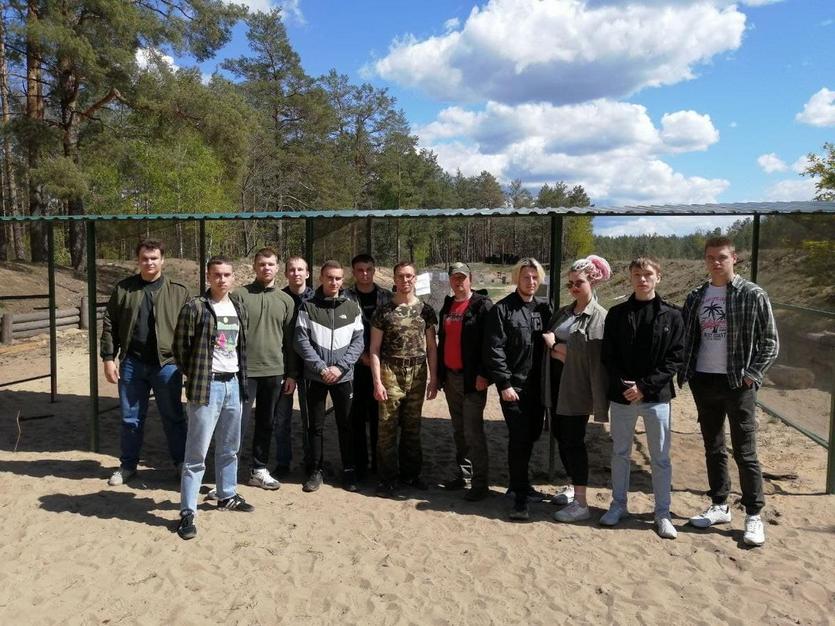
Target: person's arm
x=183, y=334
x=599, y=380
x=482, y=379
x=304, y=346
x=671, y=361
x=292, y=363
x=109, y=343
x=355, y=348
x=610, y=350
x=766, y=341
x=495, y=357
x=432, y=358
x=374, y=351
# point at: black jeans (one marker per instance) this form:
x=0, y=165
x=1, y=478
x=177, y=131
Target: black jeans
x=524, y=420
x=264, y=391
x=341, y=396
x=570, y=433
x=364, y=409
x=714, y=400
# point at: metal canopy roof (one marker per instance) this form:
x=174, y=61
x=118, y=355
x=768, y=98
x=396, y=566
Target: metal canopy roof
x=735, y=208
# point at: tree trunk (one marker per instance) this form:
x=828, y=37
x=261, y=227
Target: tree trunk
x=35, y=115
x=9, y=190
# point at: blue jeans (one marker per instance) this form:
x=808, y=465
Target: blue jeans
x=657, y=423
x=136, y=380
x=221, y=417
x=283, y=425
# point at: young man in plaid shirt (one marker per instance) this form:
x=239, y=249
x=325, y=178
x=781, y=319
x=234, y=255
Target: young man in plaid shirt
x=210, y=349
x=730, y=342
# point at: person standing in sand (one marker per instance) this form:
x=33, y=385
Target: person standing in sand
x=730, y=342
x=138, y=328
x=210, y=349
x=574, y=380
x=512, y=355
x=643, y=347
x=463, y=377
x=403, y=354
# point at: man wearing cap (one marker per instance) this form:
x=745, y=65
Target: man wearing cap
x=462, y=376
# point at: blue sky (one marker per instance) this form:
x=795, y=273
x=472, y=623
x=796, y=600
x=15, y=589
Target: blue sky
x=641, y=102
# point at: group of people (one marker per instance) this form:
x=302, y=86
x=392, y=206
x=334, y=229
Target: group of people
x=376, y=353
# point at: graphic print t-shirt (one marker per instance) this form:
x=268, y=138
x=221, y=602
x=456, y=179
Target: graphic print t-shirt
x=453, y=325
x=713, y=349
x=224, y=354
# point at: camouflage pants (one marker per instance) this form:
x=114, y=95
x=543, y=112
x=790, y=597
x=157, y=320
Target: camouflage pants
x=405, y=387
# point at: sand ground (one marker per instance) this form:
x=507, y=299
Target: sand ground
x=76, y=551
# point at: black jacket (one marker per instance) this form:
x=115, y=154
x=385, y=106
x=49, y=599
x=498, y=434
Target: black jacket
x=472, y=336
x=652, y=366
x=512, y=349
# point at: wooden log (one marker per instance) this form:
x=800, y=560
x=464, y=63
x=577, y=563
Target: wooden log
x=6, y=329
x=44, y=315
x=84, y=315
x=59, y=323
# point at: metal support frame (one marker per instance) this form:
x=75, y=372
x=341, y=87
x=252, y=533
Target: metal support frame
x=755, y=249
x=309, y=233
x=369, y=235
x=92, y=336
x=830, y=458
x=554, y=293
x=201, y=269
x=53, y=333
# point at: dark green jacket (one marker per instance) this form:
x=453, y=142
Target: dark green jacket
x=123, y=308
x=271, y=316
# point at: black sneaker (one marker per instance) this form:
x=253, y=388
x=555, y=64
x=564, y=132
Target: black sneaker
x=313, y=483
x=476, y=494
x=519, y=512
x=186, y=528
x=455, y=484
x=385, y=490
x=349, y=480
x=235, y=503
x=415, y=483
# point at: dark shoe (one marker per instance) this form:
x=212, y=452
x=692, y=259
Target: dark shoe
x=475, y=494
x=349, y=480
x=281, y=471
x=414, y=483
x=235, y=503
x=385, y=490
x=455, y=484
x=186, y=528
x=533, y=495
x=519, y=512
x=313, y=482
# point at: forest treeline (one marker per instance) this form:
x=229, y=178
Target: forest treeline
x=96, y=120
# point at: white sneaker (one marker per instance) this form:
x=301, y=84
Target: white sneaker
x=563, y=496
x=614, y=515
x=665, y=528
x=261, y=478
x=211, y=494
x=754, y=531
x=715, y=514
x=120, y=477
x=574, y=512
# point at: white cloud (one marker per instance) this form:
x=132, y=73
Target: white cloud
x=801, y=164
x=819, y=110
x=451, y=24
x=793, y=189
x=678, y=225
x=291, y=10
x=759, y=3
x=771, y=163
x=565, y=51
x=611, y=148
x=146, y=57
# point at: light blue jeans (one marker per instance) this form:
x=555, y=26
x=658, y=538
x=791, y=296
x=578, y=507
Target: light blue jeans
x=221, y=417
x=657, y=423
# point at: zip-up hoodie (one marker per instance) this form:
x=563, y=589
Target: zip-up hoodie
x=329, y=332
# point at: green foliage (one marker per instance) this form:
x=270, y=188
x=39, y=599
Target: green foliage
x=823, y=168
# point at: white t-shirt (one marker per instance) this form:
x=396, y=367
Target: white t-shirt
x=225, y=355
x=713, y=349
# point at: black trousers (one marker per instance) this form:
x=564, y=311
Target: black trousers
x=570, y=433
x=714, y=401
x=524, y=420
x=364, y=410
x=341, y=394
x=264, y=391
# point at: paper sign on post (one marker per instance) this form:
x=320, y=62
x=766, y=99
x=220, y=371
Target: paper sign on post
x=423, y=284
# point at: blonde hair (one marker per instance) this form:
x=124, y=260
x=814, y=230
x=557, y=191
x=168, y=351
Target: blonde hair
x=596, y=269
x=523, y=263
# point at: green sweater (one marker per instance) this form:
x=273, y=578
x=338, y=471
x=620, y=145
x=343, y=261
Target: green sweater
x=269, y=331
x=123, y=308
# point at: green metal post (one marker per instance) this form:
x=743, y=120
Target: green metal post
x=554, y=293
x=308, y=247
x=92, y=339
x=369, y=236
x=201, y=270
x=53, y=334
x=755, y=249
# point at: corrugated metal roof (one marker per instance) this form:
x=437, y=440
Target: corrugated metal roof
x=735, y=208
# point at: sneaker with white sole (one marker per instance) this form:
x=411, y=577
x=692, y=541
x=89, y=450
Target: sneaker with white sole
x=211, y=494
x=574, y=512
x=563, y=496
x=614, y=515
x=715, y=514
x=754, y=531
x=665, y=528
x=261, y=478
x=120, y=476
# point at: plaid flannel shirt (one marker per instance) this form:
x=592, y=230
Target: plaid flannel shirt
x=752, y=339
x=194, y=341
